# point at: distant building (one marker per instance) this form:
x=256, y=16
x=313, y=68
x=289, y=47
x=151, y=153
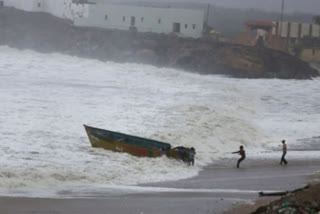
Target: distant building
x=259, y=33
x=185, y=22
x=293, y=32
x=26, y=5
x=65, y=9
x=92, y=13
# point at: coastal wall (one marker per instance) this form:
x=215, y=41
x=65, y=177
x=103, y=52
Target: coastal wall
x=45, y=33
x=310, y=54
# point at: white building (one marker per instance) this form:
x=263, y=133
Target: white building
x=61, y=8
x=294, y=31
x=186, y=22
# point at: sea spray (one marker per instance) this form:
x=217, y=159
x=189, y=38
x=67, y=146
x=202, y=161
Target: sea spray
x=46, y=98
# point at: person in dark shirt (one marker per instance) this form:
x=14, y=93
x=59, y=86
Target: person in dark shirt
x=192, y=153
x=243, y=155
x=284, y=152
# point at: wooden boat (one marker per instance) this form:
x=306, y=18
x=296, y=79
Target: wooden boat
x=119, y=142
x=134, y=145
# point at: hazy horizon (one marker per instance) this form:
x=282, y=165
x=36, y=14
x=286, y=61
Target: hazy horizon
x=291, y=6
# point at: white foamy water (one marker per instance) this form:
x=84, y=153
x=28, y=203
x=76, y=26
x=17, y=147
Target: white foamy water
x=46, y=98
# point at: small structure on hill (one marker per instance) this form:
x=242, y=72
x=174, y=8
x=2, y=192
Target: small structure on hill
x=299, y=39
x=263, y=32
x=259, y=33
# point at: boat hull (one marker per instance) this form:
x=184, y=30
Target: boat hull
x=119, y=142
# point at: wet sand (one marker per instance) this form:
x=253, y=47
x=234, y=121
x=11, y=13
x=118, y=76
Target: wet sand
x=217, y=189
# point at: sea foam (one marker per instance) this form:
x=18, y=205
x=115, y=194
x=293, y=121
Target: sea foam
x=46, y=98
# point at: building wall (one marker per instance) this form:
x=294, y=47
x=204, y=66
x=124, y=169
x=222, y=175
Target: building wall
x=305, y=29
x=60, y=8
x=26, y=5
x=157, y=20
x=297, y=30
x=294, y=33
x=283, y=29
x=315, y=31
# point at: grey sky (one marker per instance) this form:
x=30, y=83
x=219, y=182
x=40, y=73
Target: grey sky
x=305, y=6
x=309, y=6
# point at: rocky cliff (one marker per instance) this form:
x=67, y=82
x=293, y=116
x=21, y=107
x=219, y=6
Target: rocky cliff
x=42, y=32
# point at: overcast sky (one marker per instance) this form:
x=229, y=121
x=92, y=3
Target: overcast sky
x=306, y=6
x=309, y=6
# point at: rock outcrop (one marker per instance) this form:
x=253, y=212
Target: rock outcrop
x=45, y=33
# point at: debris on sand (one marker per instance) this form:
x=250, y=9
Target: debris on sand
x=301, y=201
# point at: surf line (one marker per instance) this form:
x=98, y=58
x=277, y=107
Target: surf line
x=144, y=189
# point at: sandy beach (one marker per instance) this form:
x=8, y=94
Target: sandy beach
x=217, y=189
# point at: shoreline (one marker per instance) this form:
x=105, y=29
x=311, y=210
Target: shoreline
x=217, y=189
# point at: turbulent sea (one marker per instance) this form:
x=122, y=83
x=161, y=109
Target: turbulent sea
x=46, y=99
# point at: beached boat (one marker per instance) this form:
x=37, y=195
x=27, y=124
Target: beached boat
x=119, y=142
x=134, y=145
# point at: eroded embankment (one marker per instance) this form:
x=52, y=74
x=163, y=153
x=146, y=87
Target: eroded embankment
x=45, y=33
